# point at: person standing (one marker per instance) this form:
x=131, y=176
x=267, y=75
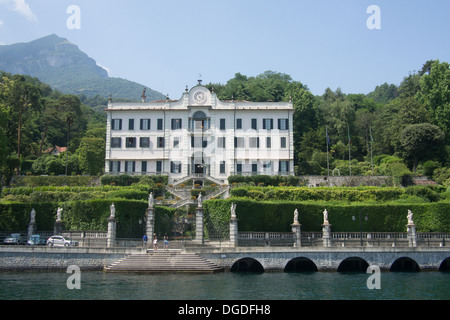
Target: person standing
x=144, y=241
x=155, y=243
x=166, y=242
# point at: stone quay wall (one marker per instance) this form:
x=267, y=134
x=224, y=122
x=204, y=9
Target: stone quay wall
x=59, y=259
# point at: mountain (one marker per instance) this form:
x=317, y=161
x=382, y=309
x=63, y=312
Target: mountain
x=61, y=64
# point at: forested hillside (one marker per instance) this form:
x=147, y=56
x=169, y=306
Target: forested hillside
x=404, y=129
x=396, y=130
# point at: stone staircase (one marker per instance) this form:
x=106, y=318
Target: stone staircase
x=172, y=261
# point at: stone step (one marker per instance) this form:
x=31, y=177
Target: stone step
x=163, y=262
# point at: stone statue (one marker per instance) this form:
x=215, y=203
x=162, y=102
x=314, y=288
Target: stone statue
x=296, y=216
x=410, y=217
x=150, y=200
x=59, y=214
x=325, y=217
x=33, y=216
x=200, y=200
x=233, y=211
x=113, y=211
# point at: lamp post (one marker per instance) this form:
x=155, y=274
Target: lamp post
x=360, y=225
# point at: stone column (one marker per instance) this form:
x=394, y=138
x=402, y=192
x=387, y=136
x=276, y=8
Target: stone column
x=32, y=224
x=296, y=230
x=412, y=237
x=199, y=225
x=326, y=235
x=234, y=240
x=150, y=227
x=111, y=237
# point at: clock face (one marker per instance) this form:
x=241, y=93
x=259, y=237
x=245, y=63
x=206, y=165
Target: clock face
x=200, y=97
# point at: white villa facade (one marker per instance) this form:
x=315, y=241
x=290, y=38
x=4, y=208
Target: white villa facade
x=199, y=136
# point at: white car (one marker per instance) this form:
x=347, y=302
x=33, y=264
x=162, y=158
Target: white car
x=61, y=241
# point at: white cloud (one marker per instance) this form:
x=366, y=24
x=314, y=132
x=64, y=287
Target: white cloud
x=21, y=7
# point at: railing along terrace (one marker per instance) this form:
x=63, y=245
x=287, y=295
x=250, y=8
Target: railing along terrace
x=266, y=239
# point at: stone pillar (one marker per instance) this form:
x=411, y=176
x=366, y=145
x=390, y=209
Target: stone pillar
x=32, y=224
x=111, y=236
x=296, y=230
x=199, y=225
x=412, y=237
x=150, y=227
x=234, y=240
x=326, y=235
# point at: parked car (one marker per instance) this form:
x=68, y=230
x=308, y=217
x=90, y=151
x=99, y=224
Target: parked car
x=15, y=238
x=61, y=241
x=37, y=240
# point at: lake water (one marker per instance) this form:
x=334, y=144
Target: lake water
x=226, y=286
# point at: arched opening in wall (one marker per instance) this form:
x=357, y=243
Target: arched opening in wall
x=445, y=265
x=247, y=265
x=301, y=264
x=353, y=264
x=405, y=264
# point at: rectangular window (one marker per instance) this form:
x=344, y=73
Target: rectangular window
x=145, y=124
x=267, y=166
x=283, y=124
x=175, y=166
x=239, y=167
x=130, y=142
x=114, y=166
x=268, y=142
x=130, y=124
x=144, y=142
x=255, y=124
x=239, y=142
x=254, y=143
x=283, y=142
x=160, y=124
x=144, y=166
x=267, y=124
x=176, y=142
x=284, y=166
x=221, y=142
x=130, y=166
x=176, y=124
x=160, y=142
x=116, y=142
x=238, y=123
x=159, y=166
x=116, y=124
x=254, y=168
x=222, y=124
x=222, y=166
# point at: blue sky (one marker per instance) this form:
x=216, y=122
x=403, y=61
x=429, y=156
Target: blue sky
x=165, y=45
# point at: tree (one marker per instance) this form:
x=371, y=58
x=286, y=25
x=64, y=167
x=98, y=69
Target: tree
x=421, y=142
x=91, y=155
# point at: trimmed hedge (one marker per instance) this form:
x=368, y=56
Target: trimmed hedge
x=277, y=216
x=86, y=215
x=337, y=194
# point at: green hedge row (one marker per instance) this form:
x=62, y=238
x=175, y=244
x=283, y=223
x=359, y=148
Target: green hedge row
x=337, y=194
x=33, y=181
x=277, y=216
x=127, y=180
x=265, y=180
x=86, y=215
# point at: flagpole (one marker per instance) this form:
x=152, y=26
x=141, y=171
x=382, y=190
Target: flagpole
x=328, y=160
x=349, y=151
x=371, y=148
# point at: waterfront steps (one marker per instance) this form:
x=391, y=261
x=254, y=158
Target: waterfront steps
x=163, y=261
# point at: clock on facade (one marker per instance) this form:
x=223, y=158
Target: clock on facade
x=200, y=97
